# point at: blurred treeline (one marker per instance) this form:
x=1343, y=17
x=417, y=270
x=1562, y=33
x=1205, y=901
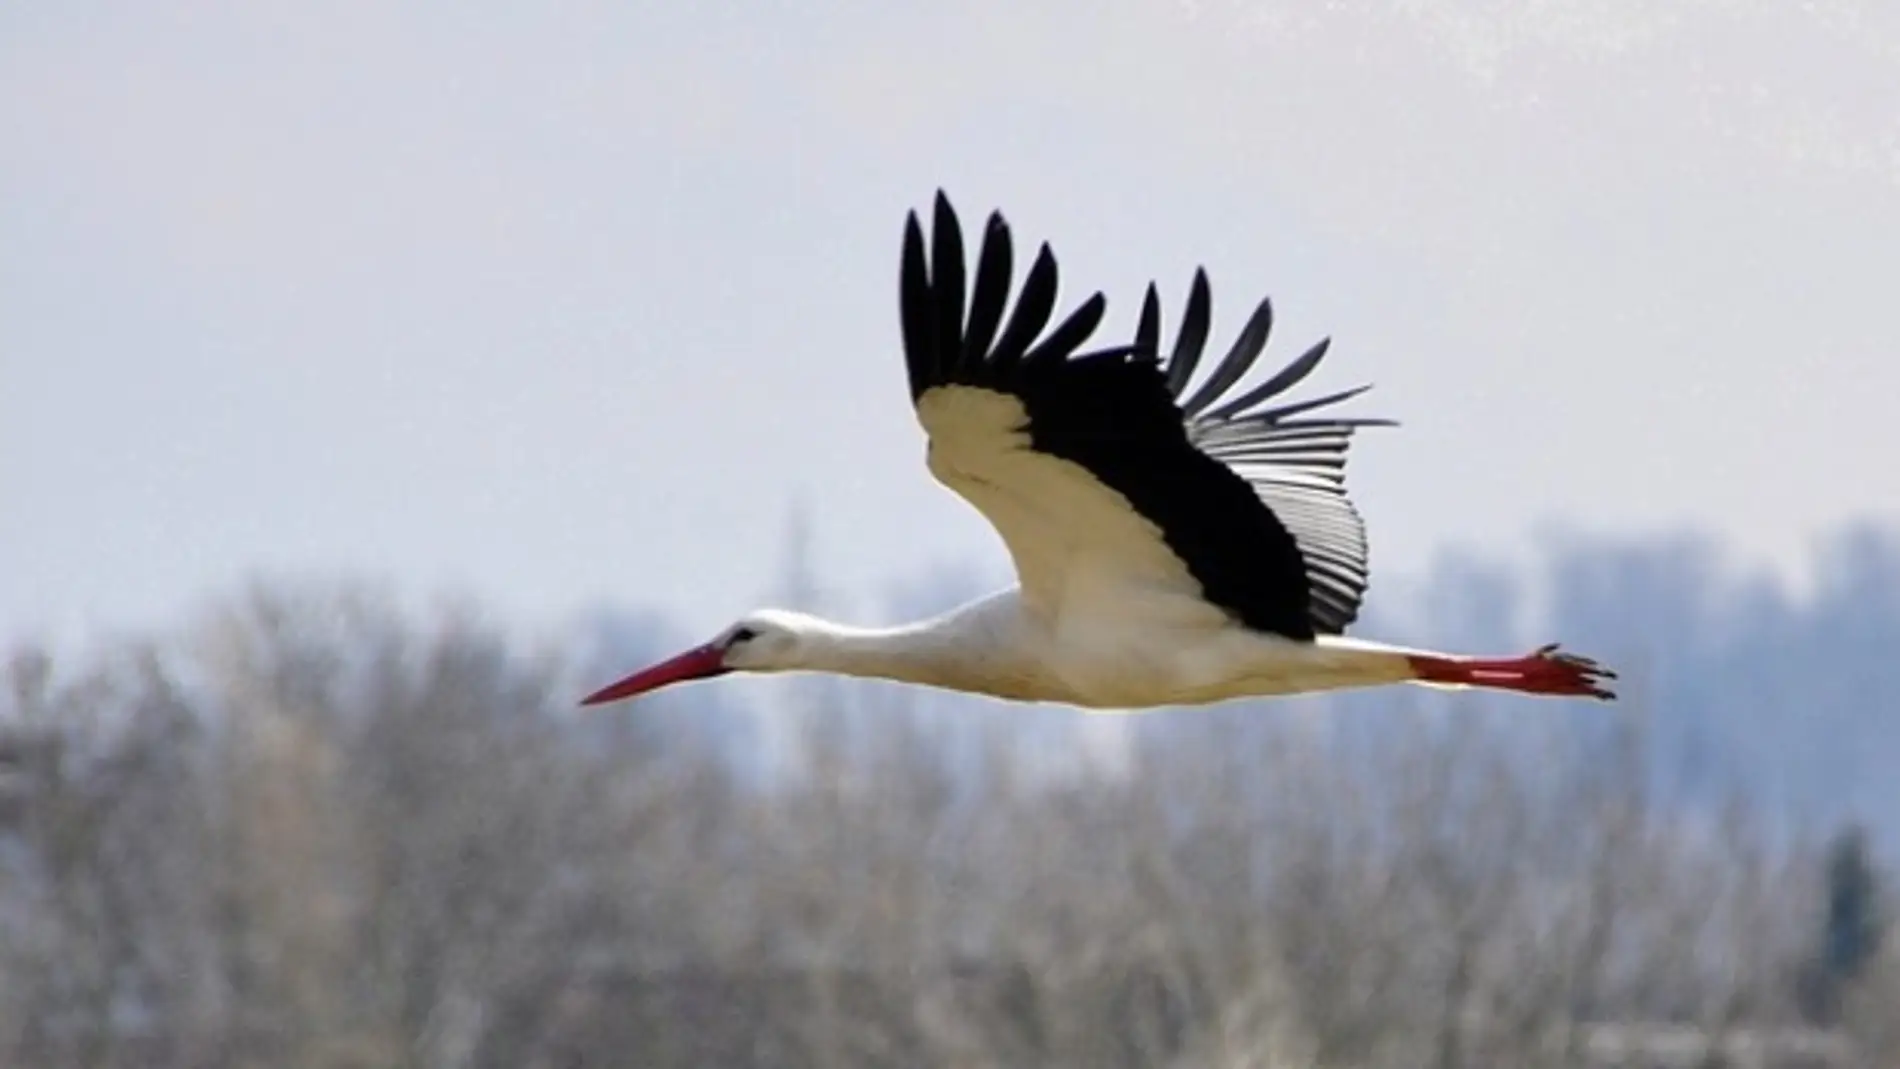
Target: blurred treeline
x=316, y=828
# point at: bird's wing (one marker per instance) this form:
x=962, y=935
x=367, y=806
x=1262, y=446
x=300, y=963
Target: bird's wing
x=1296, y=465
x=1086, y=465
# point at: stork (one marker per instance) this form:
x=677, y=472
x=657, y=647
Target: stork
x=1175, y=543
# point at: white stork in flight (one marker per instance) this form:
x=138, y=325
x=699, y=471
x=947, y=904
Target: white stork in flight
x=1175, y=543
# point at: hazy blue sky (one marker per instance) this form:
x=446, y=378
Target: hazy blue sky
x=567, y=304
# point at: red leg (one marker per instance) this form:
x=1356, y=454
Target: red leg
x=1544, y=671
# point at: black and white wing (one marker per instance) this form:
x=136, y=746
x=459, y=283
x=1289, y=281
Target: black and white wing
x=1102, y=486
x=1296, y=465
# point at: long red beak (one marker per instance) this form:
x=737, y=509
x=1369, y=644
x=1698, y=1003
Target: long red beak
x=700, y=662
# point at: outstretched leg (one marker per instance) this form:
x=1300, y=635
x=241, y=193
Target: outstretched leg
x=1544, y=671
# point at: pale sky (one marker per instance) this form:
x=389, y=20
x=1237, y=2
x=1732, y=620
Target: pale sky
x=564, y=305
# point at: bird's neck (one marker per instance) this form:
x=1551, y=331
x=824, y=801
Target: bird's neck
x=911, y=653
x=980, y=646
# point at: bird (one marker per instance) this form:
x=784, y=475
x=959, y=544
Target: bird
x=1177, y=540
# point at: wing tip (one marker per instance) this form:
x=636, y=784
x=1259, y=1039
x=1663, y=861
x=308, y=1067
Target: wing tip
x=942, y=343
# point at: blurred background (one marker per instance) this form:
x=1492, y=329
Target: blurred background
x=374, y=380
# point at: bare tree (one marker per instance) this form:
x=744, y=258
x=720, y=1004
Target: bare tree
x=322, y=829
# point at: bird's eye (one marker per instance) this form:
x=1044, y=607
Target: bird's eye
x=743, y=634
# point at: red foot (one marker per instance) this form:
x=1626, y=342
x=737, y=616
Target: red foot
x=1544, y=671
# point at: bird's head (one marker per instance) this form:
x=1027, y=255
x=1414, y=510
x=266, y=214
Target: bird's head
x=768, y=640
